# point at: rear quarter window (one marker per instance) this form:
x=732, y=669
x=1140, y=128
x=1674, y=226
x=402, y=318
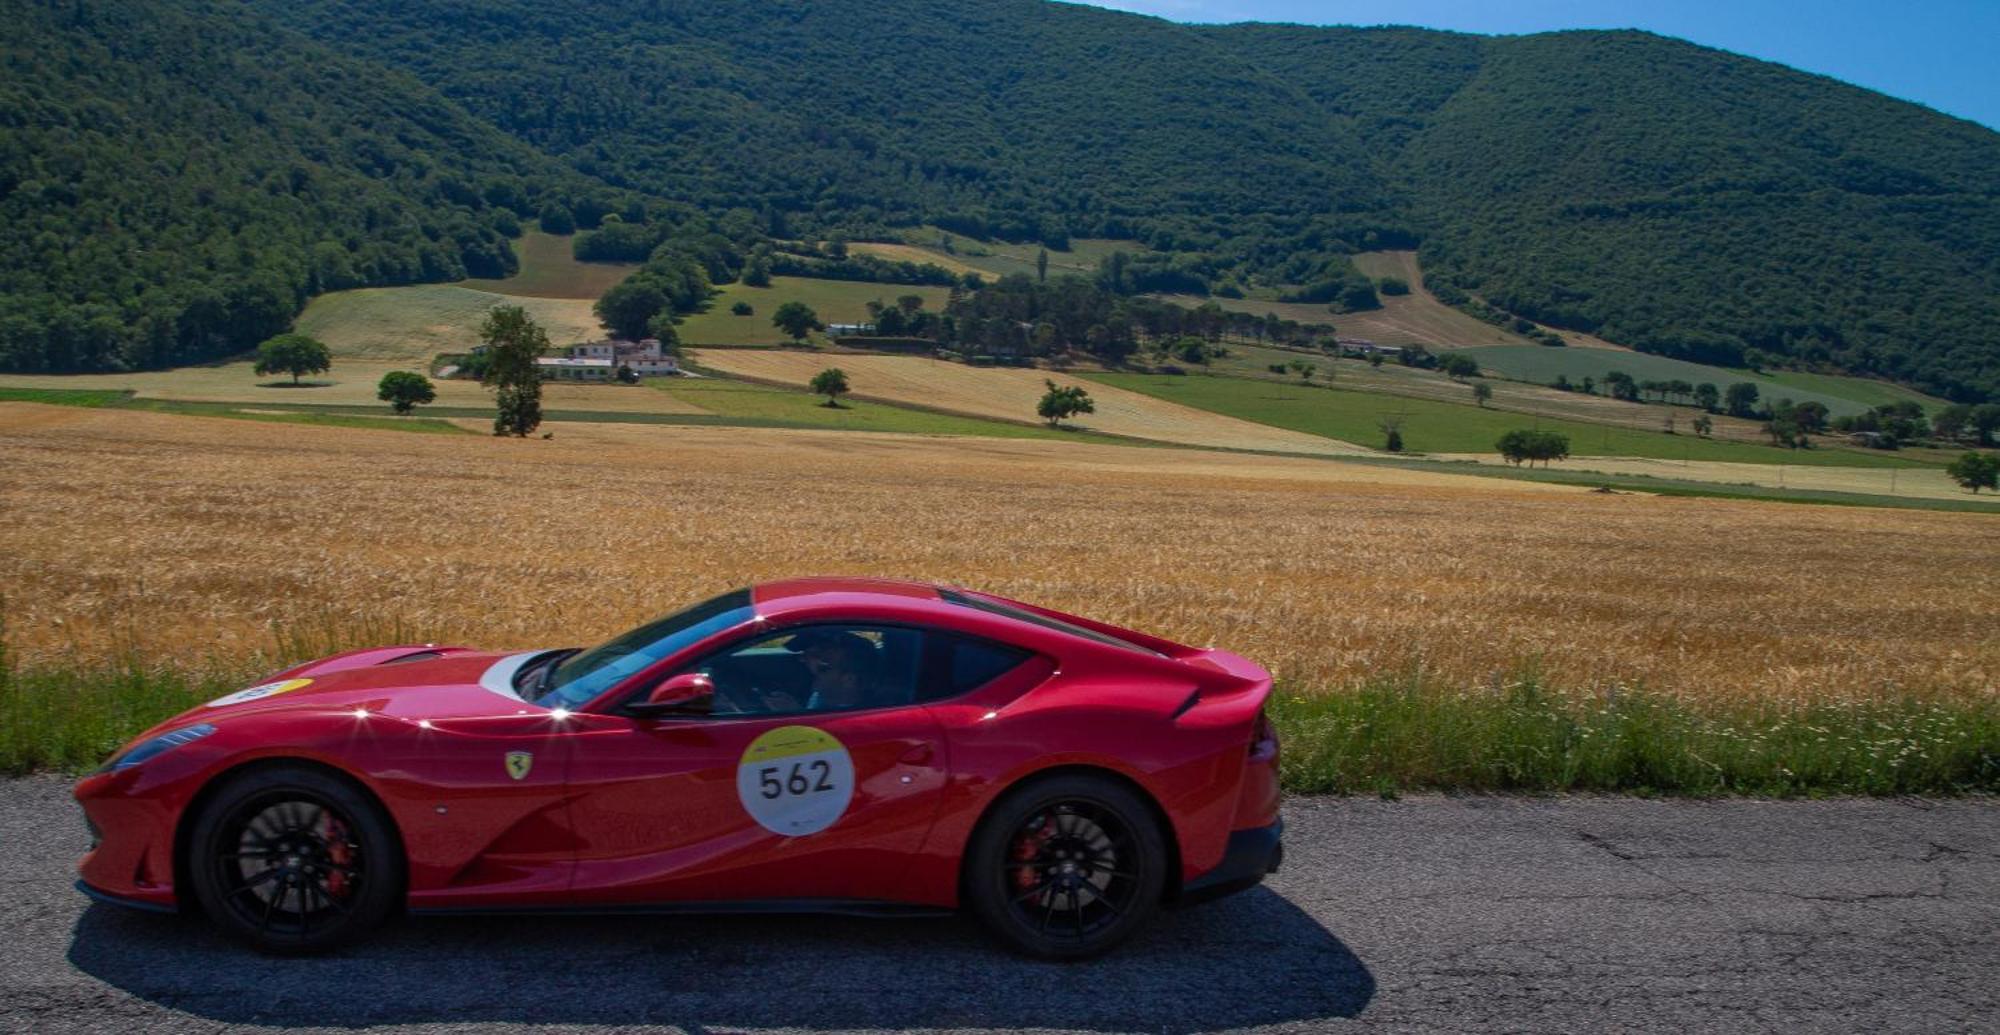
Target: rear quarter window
x=972, y=664
x=956, y=664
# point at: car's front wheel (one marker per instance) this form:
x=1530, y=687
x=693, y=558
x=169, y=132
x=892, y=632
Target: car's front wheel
x=1066, y=867
x=293, y=860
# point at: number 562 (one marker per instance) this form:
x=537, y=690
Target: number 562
x=804, y=778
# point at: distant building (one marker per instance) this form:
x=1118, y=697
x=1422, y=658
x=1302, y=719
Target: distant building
x=600, y=360
x=571, y=368
x=1364, y=347
x=837, y=329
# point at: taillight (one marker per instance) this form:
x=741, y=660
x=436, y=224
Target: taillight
x=1264, y=739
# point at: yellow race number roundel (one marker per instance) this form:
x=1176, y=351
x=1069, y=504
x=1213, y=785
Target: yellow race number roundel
x=258, y=693
x=795, y=780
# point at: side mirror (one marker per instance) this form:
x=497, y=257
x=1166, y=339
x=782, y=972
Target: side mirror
x=689, y=692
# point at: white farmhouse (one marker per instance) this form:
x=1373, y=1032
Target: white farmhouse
x=600, y=360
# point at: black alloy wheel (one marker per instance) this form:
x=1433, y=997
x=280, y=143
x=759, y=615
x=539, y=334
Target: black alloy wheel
x=1067, y=867
x=294, y=860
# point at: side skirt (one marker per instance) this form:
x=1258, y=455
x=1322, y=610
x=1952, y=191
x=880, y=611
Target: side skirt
x=750, y=907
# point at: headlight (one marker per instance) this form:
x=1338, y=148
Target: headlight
x=153, y=746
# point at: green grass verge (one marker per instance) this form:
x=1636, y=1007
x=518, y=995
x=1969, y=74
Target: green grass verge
x=1387, y=738
x=1393, y=737
x=1440, y=427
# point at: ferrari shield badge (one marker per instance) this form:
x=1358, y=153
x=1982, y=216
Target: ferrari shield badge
x=518, y=764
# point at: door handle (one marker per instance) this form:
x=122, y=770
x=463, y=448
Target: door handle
x=916, y=756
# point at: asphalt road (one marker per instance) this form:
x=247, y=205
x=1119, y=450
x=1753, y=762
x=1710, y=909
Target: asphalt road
x=1436, y=914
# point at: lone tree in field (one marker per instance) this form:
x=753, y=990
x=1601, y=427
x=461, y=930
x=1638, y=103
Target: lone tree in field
x=514, y=342
x=405, y=390
x=1482, y=393
x=1458, y=366
x=1532, y=445
x=1062, y=402
x=293, y=354
x=742, y=309
x=1392, y=433
x=1976, y=471
x=1703, y=425
x=796, y=319
x=832, y=383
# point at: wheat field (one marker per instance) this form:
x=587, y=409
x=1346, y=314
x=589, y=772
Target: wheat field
x=193, y=541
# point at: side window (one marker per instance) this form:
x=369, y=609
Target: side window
x=819, y=668
x=965, y=664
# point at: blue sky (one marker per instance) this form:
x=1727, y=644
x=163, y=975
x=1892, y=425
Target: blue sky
x=1943, y=53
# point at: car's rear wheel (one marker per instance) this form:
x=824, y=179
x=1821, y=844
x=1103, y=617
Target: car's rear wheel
x=293, y=860
x=1066, y=867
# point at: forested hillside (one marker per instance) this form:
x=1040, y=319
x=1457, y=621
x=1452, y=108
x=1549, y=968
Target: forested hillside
x=1682, y=200
x=1015, y=118
x=176, y=180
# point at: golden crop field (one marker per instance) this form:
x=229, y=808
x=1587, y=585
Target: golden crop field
x=1010, y=393
x=184, y=538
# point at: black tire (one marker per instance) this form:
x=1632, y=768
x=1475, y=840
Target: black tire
x=1067, y=866
x=293, y=860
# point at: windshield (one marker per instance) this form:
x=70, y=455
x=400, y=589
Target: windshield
x=584, y=675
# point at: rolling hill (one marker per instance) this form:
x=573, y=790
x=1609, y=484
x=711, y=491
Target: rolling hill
x=1682, y=200
x=177, y=179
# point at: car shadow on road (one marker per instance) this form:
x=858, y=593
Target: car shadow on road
x=1251, y=959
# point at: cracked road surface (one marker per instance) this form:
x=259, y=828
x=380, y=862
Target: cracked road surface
x=1435, y=914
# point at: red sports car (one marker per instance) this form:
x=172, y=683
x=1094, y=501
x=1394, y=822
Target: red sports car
x=834, y=745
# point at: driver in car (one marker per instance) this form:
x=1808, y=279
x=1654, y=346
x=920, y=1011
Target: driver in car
x=843, y=667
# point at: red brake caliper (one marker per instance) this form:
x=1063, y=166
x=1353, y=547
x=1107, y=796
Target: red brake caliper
x=333, y=834
x=1026, y=847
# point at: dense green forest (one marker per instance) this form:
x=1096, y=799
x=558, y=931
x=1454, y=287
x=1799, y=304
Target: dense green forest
x=176, y=180
x=1679, y=199
x=1697, y=204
